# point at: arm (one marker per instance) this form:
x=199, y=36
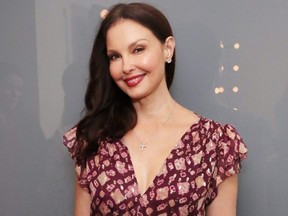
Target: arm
x=225, y=202
x=82, y=200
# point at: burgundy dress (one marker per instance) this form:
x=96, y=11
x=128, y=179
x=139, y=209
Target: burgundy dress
x=187, y=183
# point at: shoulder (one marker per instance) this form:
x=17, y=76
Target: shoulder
x=216, y=130
x=227, y=138
x=69, y=136
x=227, y=148
x=219, y=141
x=70, y=141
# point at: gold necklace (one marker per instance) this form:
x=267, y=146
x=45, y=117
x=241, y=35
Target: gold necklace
x=143, y=144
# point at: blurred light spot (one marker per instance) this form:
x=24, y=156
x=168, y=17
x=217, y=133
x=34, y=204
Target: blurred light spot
x=235, y=108
x=221, y=45
x=221, y=68
x=235, y=89
x=221, y=89
x=236, y=46
x=104, y=13
x=236, y=68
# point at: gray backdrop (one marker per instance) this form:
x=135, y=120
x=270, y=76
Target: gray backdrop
x=231, y=67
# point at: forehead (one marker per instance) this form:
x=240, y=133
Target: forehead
x=127, y=31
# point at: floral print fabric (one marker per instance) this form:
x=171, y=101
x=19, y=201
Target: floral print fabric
x=187, y=183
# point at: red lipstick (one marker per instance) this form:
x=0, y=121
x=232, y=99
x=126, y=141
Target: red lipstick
x=134, y=80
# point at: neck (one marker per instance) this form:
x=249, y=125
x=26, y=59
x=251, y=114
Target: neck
x=154, y=109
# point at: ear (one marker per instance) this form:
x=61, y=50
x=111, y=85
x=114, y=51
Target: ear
x=169, y=47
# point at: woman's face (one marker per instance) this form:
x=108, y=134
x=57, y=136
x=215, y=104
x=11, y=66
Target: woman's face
x=137, y=59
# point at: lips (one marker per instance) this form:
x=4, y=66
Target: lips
x=134, y=80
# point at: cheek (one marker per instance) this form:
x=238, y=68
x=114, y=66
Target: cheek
x=147, y=63
x=114, y=71
x=150, y=62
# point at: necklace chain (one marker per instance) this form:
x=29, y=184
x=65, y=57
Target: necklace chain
x=143, y=144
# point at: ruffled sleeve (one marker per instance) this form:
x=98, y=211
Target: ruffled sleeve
x=69, y=140
x=230, y=151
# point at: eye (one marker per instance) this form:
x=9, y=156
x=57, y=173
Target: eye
x=113, y=57
x=138, y=49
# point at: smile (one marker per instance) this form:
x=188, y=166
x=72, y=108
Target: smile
x=134, y=80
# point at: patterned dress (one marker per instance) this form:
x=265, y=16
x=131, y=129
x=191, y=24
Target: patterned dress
x=187, y=183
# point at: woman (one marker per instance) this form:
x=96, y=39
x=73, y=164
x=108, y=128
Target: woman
x=137, y=151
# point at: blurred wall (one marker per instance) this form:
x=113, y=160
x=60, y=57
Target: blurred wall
x=231, y=67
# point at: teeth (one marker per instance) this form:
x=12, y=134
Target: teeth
x=134, y=80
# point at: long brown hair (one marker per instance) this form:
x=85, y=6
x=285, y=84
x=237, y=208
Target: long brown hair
x=108, y=111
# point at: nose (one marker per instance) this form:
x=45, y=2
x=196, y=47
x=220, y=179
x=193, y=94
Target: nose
x=128, y=64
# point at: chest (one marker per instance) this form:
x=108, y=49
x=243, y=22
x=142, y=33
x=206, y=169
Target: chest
x=181, y=183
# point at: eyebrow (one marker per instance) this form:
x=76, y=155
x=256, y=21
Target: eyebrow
x=130, y=45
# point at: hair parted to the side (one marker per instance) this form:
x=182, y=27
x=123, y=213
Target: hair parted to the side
x=108, y=112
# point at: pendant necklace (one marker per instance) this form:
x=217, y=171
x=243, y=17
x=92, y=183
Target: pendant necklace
x=143, y=144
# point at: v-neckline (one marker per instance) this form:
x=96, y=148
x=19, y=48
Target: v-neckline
x=171, y=153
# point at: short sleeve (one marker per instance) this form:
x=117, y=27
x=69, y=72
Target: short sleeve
x=230, y=151
x=70, y=141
